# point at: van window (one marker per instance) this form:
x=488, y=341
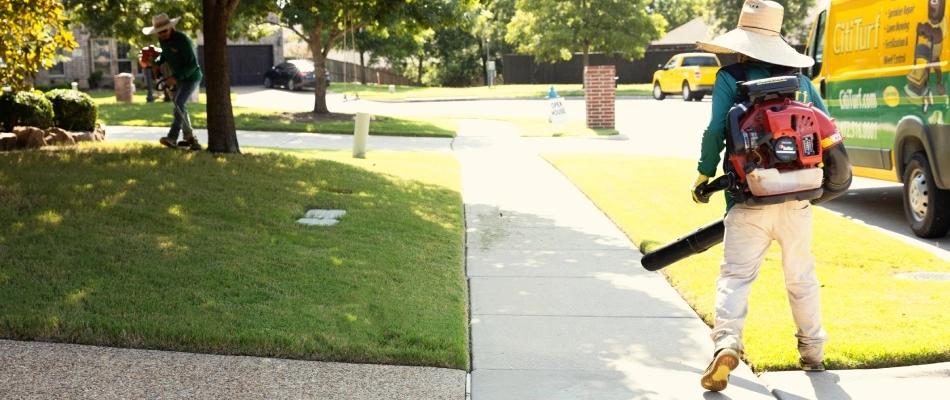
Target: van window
x=817, y=44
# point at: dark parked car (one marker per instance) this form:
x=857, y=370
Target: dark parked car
x=292, y=74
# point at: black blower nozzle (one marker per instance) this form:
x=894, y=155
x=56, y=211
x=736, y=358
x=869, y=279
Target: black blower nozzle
x=697, y=242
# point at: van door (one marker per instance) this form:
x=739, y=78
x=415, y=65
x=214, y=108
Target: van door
x=850, y=45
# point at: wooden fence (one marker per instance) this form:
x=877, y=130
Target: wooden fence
x=352, y=73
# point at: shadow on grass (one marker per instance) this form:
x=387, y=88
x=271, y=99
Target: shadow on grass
x=149, y=248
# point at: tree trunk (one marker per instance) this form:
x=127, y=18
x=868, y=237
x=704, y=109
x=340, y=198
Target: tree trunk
x=419, y=78
x=319, y=64
x=222, y=137
x=362, y=69
x=320, y=87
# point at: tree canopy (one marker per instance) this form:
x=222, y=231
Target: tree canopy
x=33, y=33
x=678, y=12
x=555, y=29
x=322, y=23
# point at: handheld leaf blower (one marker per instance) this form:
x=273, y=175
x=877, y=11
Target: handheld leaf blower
x=778, y=150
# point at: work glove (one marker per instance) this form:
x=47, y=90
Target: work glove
x=700, y=182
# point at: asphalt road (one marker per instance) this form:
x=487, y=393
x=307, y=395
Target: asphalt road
x=670, y=127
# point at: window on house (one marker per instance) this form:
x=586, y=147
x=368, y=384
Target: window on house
x=101, y=55
x=123, y=62
x=59, y=69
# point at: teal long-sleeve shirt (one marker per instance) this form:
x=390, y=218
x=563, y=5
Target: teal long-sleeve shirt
x=179, y=52
x=723, y=98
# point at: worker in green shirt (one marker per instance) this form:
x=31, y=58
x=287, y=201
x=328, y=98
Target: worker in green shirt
x=750, y=229
x=178, y=52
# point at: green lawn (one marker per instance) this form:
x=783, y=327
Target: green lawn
x=132, y=245
x=873, y=319
x=159, y=114
x=483, y=92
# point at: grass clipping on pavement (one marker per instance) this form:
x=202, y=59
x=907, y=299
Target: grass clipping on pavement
x=139, y=246
x=873, y=319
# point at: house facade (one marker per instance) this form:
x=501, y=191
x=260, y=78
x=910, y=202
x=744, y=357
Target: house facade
x=247, y=61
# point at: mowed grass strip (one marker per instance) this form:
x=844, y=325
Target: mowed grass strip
x=134, y=245
x=160, y=114
x=873, y=319
x=484, y=92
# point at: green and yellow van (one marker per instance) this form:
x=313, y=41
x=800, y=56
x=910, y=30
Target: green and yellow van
x=882, y=69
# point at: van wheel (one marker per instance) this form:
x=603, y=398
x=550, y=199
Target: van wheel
x=657, y=92
x=925, y=205
x=687, y=94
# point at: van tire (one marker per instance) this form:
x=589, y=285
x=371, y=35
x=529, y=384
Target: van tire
x=657, y=92
x=925, y=205
x=687, y=92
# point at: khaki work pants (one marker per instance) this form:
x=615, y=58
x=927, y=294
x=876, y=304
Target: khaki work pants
x=749, y=233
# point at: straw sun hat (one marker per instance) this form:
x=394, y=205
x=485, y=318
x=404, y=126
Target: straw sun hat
x=758, y=36
x=161, y=22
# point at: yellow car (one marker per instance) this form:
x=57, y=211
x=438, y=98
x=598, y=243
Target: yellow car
x=692, y=74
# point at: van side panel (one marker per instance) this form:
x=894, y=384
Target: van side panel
x=884, y=61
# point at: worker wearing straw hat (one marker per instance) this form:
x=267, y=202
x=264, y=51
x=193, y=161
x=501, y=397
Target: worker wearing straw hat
x=750, y=230
x=178, y=53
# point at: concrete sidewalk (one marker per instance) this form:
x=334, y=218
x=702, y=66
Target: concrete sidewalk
x=560, y=309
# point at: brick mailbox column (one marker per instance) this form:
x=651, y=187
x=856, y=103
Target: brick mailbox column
x=600, y=94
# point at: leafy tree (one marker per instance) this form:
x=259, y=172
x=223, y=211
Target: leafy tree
x=555, y=29
x=678, y=12
x=26, y=48
x=458, y=53
x=322, y=23
x=725, y=13
x=492, y=23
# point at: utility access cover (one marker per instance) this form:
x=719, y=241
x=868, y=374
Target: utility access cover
x=319, y=217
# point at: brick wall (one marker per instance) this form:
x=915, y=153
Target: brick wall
x=599, y=94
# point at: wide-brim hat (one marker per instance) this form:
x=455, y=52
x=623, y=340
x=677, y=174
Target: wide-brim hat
x=160, y=22
x=759, y=36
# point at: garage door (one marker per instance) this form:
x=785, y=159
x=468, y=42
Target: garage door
x=246, y=64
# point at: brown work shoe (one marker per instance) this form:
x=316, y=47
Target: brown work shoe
x=191, y=142
x=811, y=366
x=716, y=377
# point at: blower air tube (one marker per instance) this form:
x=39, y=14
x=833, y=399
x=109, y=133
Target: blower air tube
x=837, y=180
x=837, y=173
x=697, y=242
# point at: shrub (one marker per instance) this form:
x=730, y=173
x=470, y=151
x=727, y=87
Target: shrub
x=53, y=85
x=73, y=110
x=26, y=109
x=94, y=79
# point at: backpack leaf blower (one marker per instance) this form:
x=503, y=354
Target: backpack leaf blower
x=779, y=150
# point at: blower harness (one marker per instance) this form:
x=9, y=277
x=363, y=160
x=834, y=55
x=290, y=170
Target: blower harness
x=778, y=150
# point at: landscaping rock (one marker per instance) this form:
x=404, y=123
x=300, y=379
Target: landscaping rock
x=59, y=136
x=33, y=137
x=7, y=141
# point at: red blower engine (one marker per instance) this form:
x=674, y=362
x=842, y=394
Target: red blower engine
x=778, y=150
x=146, y=56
